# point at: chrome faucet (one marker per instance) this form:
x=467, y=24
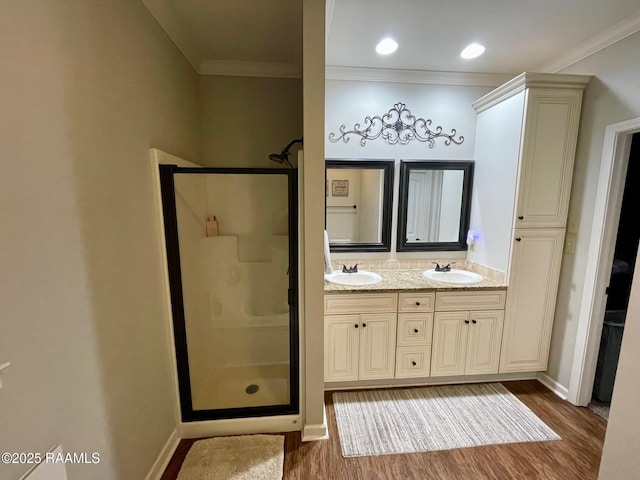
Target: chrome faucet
x=445, y=268
x=353, y=269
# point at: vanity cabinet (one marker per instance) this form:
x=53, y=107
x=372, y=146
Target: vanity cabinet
x=467, y=342
x=412, y=335
x=359, y=344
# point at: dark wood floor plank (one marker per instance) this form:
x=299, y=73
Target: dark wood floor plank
x=575, y=456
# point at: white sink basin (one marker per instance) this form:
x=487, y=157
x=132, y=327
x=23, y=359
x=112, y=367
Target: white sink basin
x=459, y=277
x=361, y=277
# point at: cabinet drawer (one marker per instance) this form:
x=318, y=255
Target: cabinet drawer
x=473, y=300
x=416, y=302
x=415, y=328
x=413, y=362
x=360, y=303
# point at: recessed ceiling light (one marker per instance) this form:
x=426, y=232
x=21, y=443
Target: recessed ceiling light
x=386, y=46
x=472, y=51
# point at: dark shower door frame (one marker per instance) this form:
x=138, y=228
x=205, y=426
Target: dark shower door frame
x=169, y=212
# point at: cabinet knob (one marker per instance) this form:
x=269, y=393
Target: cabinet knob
x=415, y=330
x=364, y=325
x=417, y=304
x=474, y=321
x=466, y=321
x=413, y=363
x=518, y=239
x=520, y=217
x=356, y=325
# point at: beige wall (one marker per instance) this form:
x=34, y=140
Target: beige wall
x=612, y=96
x=620, y=458
x=244, y=119
x=87, y=87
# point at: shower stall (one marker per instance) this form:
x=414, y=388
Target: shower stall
x=233, y=284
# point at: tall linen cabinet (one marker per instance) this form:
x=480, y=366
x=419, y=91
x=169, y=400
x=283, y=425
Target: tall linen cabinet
x=525, y=147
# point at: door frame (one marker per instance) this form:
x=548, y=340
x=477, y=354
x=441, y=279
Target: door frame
x=606, y=215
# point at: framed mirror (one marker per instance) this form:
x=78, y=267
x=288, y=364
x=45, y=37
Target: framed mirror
x=434, y=205
x=358, y=202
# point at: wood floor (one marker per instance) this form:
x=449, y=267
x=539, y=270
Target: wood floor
x=576, y=456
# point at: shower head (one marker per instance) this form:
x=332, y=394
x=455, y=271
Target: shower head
x=279, y=157
x=283, y=157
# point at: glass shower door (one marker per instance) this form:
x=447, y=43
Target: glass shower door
x=232, y=252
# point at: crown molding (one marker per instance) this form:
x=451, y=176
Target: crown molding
x=530, y=80
x=423, y=77
x=249, y=69
x=181, y=38
x=604, y=39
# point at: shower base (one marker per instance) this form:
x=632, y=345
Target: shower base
x=226, y=387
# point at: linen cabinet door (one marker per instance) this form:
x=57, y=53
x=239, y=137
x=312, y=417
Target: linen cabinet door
x=377, y=346
x=341, y=346
x=483, y=344
x=548, y=150
x=531, y=299
x=450, y=330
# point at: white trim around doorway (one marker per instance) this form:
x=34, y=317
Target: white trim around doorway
x=613, y=168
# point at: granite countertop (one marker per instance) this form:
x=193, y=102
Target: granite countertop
x=409, y=281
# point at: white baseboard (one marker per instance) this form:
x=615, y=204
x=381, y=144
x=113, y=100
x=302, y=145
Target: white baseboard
x=554, y=386
x=163, y=459
x=316, y=431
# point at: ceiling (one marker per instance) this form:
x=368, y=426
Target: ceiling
x=259, y=36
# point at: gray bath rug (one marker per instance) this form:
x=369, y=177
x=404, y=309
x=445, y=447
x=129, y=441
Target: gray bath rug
x=245, y=457
x=382, y=422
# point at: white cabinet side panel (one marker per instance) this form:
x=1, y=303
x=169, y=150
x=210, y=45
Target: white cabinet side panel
x=497, y=155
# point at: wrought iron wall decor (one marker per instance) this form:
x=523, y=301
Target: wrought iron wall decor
x=398, y=125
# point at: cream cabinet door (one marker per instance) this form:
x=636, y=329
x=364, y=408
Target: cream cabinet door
x=450, y=330
x=377, y=346
x=341, y=346
x=548, y=150
x=531, y=299
x=483, y=344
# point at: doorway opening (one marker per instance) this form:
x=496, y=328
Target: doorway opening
x=622, y=268
x=606, y=215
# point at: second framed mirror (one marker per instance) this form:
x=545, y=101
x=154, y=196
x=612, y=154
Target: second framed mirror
x=358, y=204
x=434, y=205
